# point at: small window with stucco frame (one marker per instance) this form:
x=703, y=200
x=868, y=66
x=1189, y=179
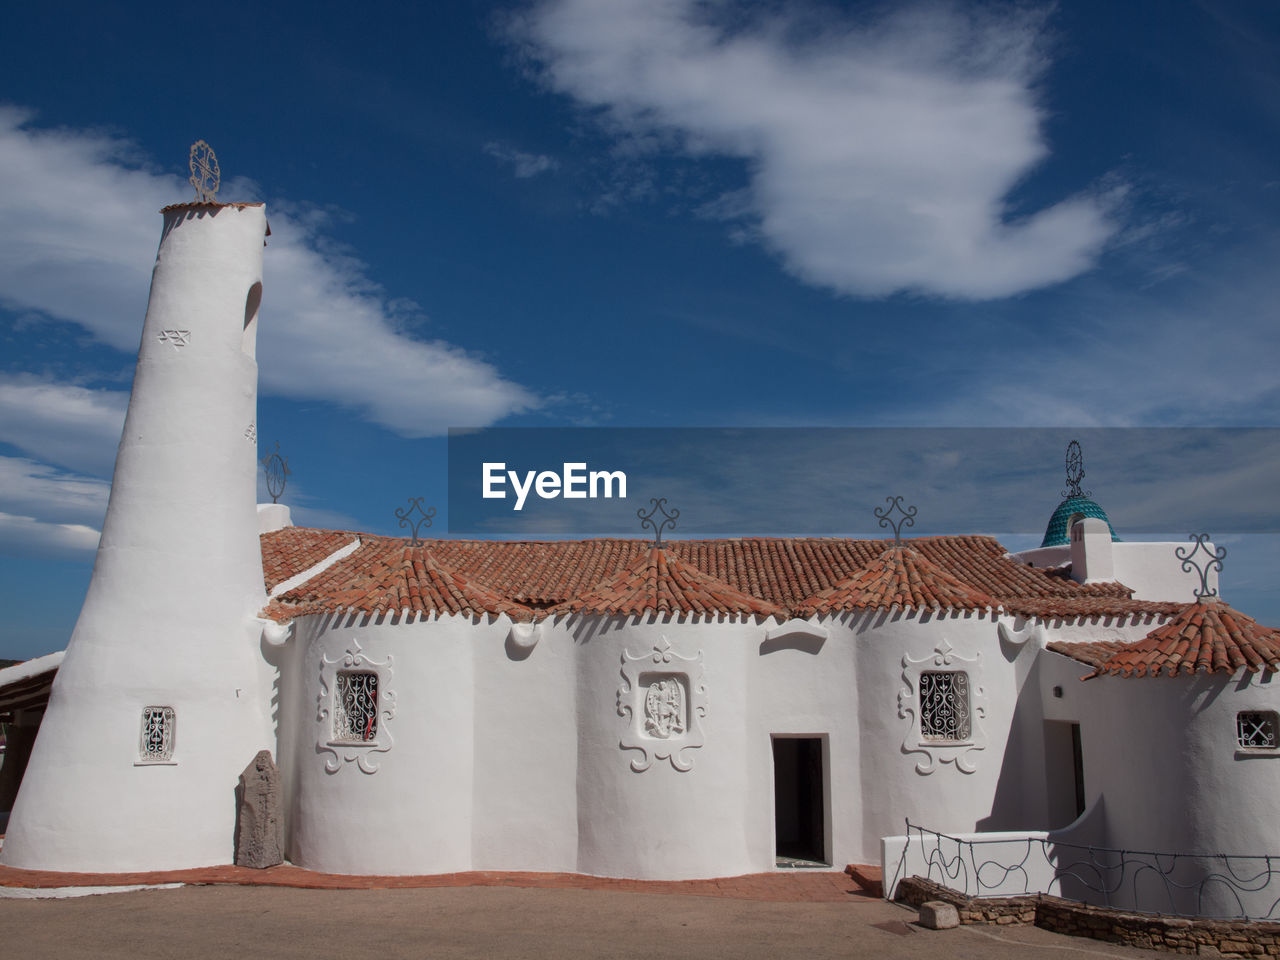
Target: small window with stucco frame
x=1257, y=730
x=944, y=706
x=158, y=736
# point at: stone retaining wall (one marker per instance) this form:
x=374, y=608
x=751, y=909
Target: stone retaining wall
x=1213, y=938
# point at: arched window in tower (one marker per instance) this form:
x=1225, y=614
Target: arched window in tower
x=249, y=339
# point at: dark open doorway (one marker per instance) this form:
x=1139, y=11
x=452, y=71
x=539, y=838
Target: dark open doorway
x=1064, y=772
x=799, y=801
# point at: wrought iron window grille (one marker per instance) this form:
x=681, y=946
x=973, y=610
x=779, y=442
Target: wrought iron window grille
x=156, y=742
x=1256, y=729
x=945, y=716
x=355, y=707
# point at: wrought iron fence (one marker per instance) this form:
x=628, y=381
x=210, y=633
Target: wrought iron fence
x=1221, y=886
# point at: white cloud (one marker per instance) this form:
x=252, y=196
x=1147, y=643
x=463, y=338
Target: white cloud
x=881, y=153
x=61, y=423
x=33, y=489
x=523, y=165
x=26, y=536
x=79, y=240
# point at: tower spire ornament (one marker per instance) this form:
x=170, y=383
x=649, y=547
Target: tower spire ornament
x=206, y=177
x=277, y=471
x=1075, y=471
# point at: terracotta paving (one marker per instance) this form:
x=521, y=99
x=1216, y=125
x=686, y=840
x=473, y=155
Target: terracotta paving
x=812, y=886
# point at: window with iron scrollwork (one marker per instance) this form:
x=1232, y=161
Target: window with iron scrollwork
x=355, y=706
x=944, y=706
x=1256, y=729
x=156, y=743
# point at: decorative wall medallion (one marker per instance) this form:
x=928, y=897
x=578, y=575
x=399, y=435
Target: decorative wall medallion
x=354, y=705
x=664, y=700
x=944, y=706
x=175, y=338
x=251, y=433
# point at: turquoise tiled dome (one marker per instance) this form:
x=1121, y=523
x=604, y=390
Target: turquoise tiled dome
x=1069, y=510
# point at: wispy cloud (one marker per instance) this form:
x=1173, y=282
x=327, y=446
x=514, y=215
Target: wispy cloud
x=26, y=536
x=79, y=242
x=881, y=153
x=61, y=423
x=32, y=489
x=523, y=165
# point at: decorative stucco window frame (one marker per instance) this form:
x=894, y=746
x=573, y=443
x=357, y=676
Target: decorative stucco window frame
x=664, y=701
x=1245, y=750
x=943, y=659
x=164, y=756
x=363, y=753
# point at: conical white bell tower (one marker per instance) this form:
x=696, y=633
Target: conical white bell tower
x=164, y=695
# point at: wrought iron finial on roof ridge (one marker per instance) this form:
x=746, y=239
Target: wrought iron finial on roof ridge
x=405, y=517
x=1075, y=471
x=278, y=473
x=1213, y=560
x=205, y=175
x=885, y=516
x=658, y=506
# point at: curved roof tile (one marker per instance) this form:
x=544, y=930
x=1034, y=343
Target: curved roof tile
x=1207, y=637
x=899, y=577
x=659, y=582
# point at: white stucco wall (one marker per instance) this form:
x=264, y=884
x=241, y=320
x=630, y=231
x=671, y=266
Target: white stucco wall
x=1162, y=762
x=945, y=787
x=168, y=618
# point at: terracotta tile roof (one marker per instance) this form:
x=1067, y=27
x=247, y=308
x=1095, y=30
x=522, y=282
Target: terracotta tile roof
x=660, y=582
x=784, y=573
x=289, y=551
x=1203, y=638
x=386, y=576
x=899, y=577
x=1074, y=608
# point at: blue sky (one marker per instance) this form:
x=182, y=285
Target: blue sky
x=657, y=213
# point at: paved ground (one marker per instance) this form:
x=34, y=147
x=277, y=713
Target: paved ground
x=494, y=922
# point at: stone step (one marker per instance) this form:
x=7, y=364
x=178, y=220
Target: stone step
x=867, y=876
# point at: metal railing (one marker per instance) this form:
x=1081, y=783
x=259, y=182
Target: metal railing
x=1221, y=886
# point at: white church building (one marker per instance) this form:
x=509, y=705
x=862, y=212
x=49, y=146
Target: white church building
x=694, y=709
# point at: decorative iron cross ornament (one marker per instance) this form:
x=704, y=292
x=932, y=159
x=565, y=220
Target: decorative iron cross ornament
x=1075, y=470
x=277, y=470
x=1213, y=560
x=885, y=517
x=668, y=519
x=405, y=515
x=205, y=175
